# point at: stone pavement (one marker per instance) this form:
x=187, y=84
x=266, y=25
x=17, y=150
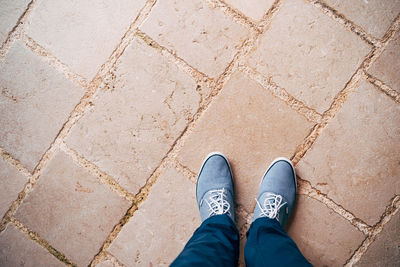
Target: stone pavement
x=107, y=109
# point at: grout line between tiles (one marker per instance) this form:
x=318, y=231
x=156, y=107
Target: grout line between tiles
x=16, y=31
x=35, y=237
x=267, y=83
x=348, y=24
x=235, y=14
x=381, y=86
x=97, y=172
x=390, y=211
x=53, y=61
x=305, y=188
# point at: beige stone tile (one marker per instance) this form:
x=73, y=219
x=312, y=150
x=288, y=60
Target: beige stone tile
x=324, y=237
x=162, y=225
x=374, y=16
x=10, y=12
x=71, y=209
x=355, y=161
x=11, y=183
x=106, y=263
x=131, y=128
x=384, y=251
x=387, y=66
x=255, y=9
x=18, y=250
x=308, y=54
x=35, y=101
x=206, y=38
x=251, y=127
x=82, y=34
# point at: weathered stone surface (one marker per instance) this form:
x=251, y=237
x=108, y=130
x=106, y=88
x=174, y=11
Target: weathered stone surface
x=355, y=161
x=324, y=237
x=204, y=37
x=251, y=127
x=384, y=251
x=130, y=129
x=10, y=12
x=162, y=225
x=308, y=54
x=106, y=263
x=387, y=66
x=35, y=102
x=255, y=9
x=18, y=250
x=11, y=183
x=374, y=16
x=71, y=209
x=82, y=34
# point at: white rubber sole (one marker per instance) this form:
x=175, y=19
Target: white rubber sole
x=291, y=165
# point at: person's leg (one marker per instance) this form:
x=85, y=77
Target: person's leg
x=267, y=243
x=216, y=241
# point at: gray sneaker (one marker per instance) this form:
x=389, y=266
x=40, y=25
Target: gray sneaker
x=277, y=191
x=214, y=189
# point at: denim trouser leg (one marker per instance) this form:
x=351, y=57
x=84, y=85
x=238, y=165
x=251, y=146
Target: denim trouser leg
x=214, y=243
x=268, y=245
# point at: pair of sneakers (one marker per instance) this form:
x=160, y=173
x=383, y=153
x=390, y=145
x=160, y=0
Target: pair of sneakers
x=276, y=196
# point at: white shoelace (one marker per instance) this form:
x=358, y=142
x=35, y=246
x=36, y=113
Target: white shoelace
x=217, y=202
x=271, y=206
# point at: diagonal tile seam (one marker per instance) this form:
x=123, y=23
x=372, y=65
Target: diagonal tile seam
x=347, y=24
x=104, y=256
x=201, y=79
x=390, y=211
x=17, y=30
x=97, y=172
x=279, y=92
x=27, y=186
x=126, y=40
x=235, y=14
x=381, y=86
x=53, y=61
x=306, y=188
x=36, y=238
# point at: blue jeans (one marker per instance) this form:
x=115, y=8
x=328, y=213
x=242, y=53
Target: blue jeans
x=216, y=243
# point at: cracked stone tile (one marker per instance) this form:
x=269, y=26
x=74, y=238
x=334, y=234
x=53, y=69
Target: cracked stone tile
x=131, y=127
x=374, y=16
x=355, y=161
x=385, y=250
x=324, y=237
x=308, y=54
x=255, y=9
x=251, y=127
x=18, y=250
x=387, y=66
x=206, y=38
x=162, y=225
x=35, y=102
x=71, y=209
x=11, y=183
x=10, y=12
x=82, y=34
